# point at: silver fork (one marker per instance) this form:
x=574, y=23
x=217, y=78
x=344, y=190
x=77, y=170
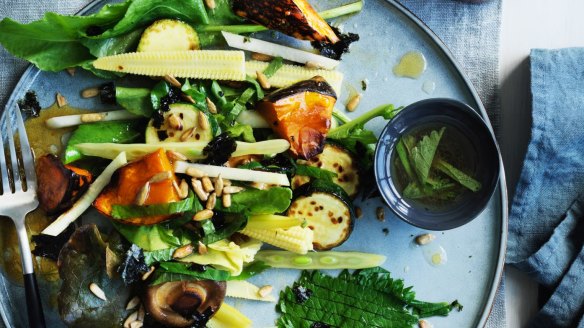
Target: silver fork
x=18, y=199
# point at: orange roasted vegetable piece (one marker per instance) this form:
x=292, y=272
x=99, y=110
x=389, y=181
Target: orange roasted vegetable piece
x=128, y=181
x=301, y=114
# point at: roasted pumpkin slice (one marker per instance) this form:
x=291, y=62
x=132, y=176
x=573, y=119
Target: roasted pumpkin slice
x=296, y=18
x=301, y=114
x=59, y=186
x=129, y=180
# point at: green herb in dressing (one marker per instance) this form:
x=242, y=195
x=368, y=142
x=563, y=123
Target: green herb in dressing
x=411, y=65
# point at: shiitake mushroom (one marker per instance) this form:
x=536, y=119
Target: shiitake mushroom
x=184, y=303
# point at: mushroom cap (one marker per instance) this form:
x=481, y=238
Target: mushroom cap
x=183, y=303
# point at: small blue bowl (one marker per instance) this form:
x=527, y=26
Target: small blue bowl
x=479, y=143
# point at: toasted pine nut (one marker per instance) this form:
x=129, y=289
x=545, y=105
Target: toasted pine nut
x=183, y=251
x=226, y=200
x=424, y=324
x=97, y=291
x=219, y=185
x=354, y=102
x=232, y=189
x=261, y=57
x=211, y=201
x=263, y=80
x=198, y=188
x=148, y=273
x=131, y=318
x=358, y=212
x=133, y=303
x=172, y=81
x=160, y=176
x=265, y=290
x=187, y=134
x=142, y=195
x=202, y=121
x=90, y=92
x=226, y=182
x=312, y=65
x=175, y=122
x=71, y=71
x=195, y=173
x=210, y=4
x=137, y=324
x=174, y=155
x=207, y=184
x=182, y=189
x=202, y=248
x=61, y=101
x=188, y=98
x=203, y=215
x=380, y=214
x=141, y=313
x=93, y=117
x=425, y=239
x=211, y=106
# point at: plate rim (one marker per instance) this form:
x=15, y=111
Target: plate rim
x=31, y=72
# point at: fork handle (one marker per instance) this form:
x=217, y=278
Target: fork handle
x=36, y=319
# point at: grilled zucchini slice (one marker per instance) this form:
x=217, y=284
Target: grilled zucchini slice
x=337, y=159
x=185, y=121
x=328, y=212
x=169, y=35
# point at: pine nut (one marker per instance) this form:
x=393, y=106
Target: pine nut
x=203, y=121
x=211, y=106
x=425, y=239
x=198, y=188
x=174, y=155
x=261, y=57
x=175, y=122
x=160, y=176
x=187, y=134
x=202, y=248
x=183, y=251
x=172, y=81
x=219, y=185
x=182, y=190
x=232, y=189
x=203, y=215
x=188, y=98
x=61, y=101
x=207, y=184
x=131, y=318
x=90, y=92
x=354, y=102
x=210, y=4
x=142, y=195
x=98, y=292
x=263, y=80
x=137, y=324
x=380, y=214
x=424, y=324
x=148, y=273
x=211, y=201
x=141, y=313
x=358, y=212
x=133, y=303
x=195, y=172
x=71, y=71
x=93, y=117
x=312, y=65
x=265, y=290
x=226, y=200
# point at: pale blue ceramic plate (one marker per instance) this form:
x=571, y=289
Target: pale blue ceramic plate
x=475, y=251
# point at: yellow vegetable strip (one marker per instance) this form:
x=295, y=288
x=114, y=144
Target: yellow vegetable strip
x=228, y=317
x=246, y=290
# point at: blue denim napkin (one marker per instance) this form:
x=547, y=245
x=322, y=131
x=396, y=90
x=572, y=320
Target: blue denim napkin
x=546, y=223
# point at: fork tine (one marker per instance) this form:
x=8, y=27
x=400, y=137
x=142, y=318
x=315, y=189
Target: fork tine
x=12, y=149
x=27, y=154
x=3, y=167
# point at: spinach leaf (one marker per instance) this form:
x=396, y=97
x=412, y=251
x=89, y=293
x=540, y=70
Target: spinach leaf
x=255, y=201
x=458, y=176
x=222, y=14
x=158, y=236
x=115, y=45
x=160, y=255
x=102, y=132
x=222, y=226
x=182, y=268
x=135, y=100
x=243, y=131
x=315, y=172
x=173, y=271
x=160, y=90
x=136, y=211
x=197, y=92
x=422, y=155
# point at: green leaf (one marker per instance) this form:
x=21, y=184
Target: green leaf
x=182, y=268
x=222, y=14
x=273, y=68
x=135, y=100
x=243, y=131
x=315, y=172
x=160, y=90
x=160, y=255
x=345, y=130
x=215, y=230
x=115, y=45
x=197, y=92
x=255, y=201
x=173, y=271
x=422, y=155
x=458, y=176
x=137, y=211
x=103, y=132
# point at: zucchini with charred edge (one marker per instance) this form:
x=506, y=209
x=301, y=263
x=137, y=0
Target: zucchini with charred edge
x=336, y=159
x=181, y=124
x=301, y=113
x=59, y=186
x=296, y=18
x=169, y=35
x=328, y=212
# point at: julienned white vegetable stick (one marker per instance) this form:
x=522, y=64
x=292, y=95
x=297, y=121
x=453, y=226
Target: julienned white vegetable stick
x=234, y=173
x=63, y=221
x=246, y=290
x=290, y=74
x=199, y=64
x=228, y=317
x=192, y=150
x=253, y=119
x=276, y=50
x=58, y=122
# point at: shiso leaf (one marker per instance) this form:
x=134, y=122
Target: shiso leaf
x=422, y=155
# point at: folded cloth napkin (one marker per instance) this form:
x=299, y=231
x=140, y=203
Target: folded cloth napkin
x=546, y=223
